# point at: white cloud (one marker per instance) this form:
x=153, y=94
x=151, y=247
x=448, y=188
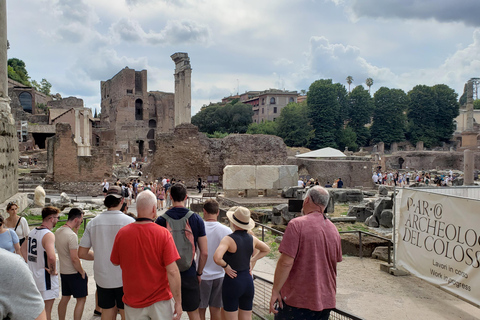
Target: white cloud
x=175, y=32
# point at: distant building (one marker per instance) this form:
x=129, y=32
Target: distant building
x=266, y=105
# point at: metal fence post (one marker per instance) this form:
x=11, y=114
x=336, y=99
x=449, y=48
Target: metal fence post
x=360, y=244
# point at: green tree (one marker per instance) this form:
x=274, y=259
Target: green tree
x=422, y=113
x=389, y=115
x=44, y=86
x=229, y=118
x=96, y=114
x=476, y=104
x=359, y=113
x=325, y=102
x=347, y=139
x=17, y=71
x=349, y=81
x=448, y=110
x=293, y=125
x=369, y=83
x=267, y=127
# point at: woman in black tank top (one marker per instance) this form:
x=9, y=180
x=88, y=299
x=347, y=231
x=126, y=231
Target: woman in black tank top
x=236, y=255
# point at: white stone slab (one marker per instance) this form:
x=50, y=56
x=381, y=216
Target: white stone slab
x=238, y=177
x=267, y=177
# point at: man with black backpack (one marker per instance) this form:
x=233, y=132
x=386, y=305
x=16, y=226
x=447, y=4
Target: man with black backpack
x=188, y=231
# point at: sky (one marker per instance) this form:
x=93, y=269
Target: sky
x=237, y=46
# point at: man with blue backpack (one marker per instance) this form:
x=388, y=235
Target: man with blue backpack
x=188, y=231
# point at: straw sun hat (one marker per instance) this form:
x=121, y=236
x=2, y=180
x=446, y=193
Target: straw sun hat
x=240, y=216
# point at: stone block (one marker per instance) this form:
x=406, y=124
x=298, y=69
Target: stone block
x=361, y=212
x=331, y=205
x=382, y=204
x=372, y=221
x=251, y=193
x=287, y=216
x=290, y=192
x=239, y=177
x=266, y=177
x=280, y=209
x=270, y=193
x=381, y=253
x=386, y=218
x=287, y=176
x=231, y=193
x=382, y=190
x=277, y=220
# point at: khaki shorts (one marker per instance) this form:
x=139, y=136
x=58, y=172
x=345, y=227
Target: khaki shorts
x=159, y=310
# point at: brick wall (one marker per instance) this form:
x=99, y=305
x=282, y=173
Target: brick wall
x=426, y=160
x=68, y=167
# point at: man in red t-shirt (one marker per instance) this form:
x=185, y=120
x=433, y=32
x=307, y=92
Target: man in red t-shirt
x=305, y=278
x=146, y=253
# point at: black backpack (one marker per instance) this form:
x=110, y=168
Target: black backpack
x=126, y=193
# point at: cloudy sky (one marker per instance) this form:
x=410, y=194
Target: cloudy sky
x=246, y=44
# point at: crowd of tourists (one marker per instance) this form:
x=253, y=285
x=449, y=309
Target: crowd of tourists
x=158, y=266
x=400, y=179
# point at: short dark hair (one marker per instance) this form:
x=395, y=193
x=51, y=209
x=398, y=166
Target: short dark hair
x=74, y=213
x=211, y=206
x=111, y=202
x=48, y=211
x=178, y=192
x=2, y=219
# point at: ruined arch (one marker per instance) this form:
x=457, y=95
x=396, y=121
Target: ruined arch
x=151, y=134
x=151, y=146
x=152, y=123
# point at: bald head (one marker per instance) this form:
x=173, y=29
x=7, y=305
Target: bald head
x=146, y=204
x=319, y=196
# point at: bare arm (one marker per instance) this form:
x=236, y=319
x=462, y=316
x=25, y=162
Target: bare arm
x=226, y=243
x=42, y=316
x=48, y=242
x=175, y=286
x=261, y=250
x=85, y=253
x=76, y=262
x=284, y=266
x=203, y=247
x=16, y=246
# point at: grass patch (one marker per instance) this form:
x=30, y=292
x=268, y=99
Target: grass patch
x=35, y=221
x=269, y=239
x=357, y=226
x=340, y=210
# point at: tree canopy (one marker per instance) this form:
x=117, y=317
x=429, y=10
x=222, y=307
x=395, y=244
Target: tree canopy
x=17, y=71
x=229, y=118
x=293, y=125
x=389, y=117
x=360, y=111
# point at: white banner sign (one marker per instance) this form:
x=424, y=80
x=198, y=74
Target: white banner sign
x=439, y=241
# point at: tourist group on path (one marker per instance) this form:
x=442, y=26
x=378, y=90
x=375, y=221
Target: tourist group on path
x=157, y=267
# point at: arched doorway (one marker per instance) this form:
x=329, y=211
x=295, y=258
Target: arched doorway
x=26, y=101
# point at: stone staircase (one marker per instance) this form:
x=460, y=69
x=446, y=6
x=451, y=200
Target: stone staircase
x=27, y=182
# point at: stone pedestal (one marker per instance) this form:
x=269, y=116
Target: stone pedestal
x=381, y=147
x=394, y=147
x=251, y=193
x=469, y=164
x=469, y=140
x=419, y=146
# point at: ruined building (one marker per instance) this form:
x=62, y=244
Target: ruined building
x=132, y=116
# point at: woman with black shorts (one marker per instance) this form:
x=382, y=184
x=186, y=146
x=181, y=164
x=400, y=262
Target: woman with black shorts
x=237, y=254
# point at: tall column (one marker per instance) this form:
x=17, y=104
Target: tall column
x=468, y=167
x=87, y=136
x=469, y=105
x=183, y=88
x=8, y=138
x=4, y=105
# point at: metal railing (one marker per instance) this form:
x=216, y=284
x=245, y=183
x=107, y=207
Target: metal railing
x=360, y=234
x=85, y=218
x=261, y=302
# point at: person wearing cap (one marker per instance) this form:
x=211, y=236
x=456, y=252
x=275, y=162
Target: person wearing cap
x=236, y=255
x=99, y=235
x=304, y=284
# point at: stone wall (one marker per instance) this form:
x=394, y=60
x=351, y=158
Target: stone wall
x=354, y=173
x=426, y=160
x=8, y=153
x=66, y=166
x=187, y=153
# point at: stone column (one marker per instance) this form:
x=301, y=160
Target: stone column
x=8, y=138
x=469, y=164
x=3, y=55
x=469, y=105
x=87, y=136
x=183, y=88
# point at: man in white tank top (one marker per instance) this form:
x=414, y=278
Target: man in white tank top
x=41, y=258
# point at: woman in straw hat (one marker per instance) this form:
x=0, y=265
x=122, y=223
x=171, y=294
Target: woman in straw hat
x=237, y=253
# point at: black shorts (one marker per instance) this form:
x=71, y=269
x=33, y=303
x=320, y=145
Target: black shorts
x=109, y=298
x=74, y=285
x=289, y=312
x=190, y=293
